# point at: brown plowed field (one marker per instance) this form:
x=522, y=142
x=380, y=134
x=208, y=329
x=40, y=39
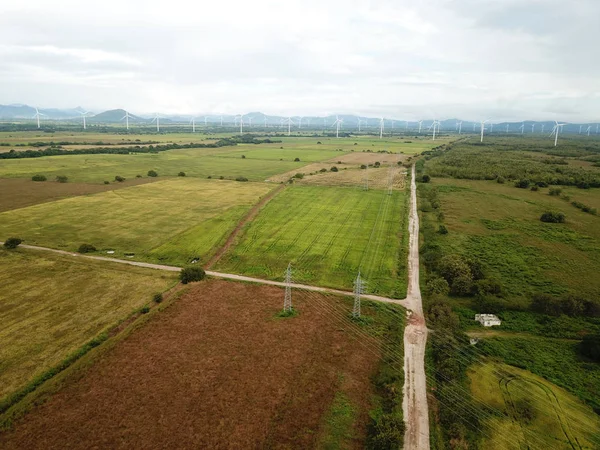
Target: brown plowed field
x=214, y=370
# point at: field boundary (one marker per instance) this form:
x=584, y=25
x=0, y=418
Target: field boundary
x=248, y=218
x=227, y=276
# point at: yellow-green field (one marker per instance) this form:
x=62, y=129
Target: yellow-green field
x=170, y=221
x=554, y=419
x=50, y=305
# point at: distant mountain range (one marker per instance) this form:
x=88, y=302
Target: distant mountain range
x=18, y=112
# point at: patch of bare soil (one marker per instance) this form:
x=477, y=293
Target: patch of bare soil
x=214, y=370
x=20, y=192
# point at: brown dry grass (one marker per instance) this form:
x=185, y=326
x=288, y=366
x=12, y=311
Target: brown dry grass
x=215, y=370
x=19, y=192
x=378, y=178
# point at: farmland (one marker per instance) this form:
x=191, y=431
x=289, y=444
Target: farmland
x=486, y=250
x=185, y=380
x=328, y=234
x=530, y=411
x=170, y=221
x=59, y=304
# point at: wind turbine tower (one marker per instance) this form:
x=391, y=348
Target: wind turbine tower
x=459, y=127
x=337, y=124
x=126, y=117
x=193, y=122
x=83, y=115
x=482, y=129
x=157, y=119
x=420, y=125
x=381, y=128
x=556, y=130
x=37, y=116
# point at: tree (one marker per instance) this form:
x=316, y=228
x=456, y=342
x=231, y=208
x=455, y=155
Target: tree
x=241, y=179
x=181, y=174
x=454, y=266
x=553, y=217
x=38, y=178
x=334, y=169
x=243, y=156
x=190, y=274
x=152, y=173
x=590, y=346
x=437, y=285
x=546, y=304
x=12, y=242
x=296, y=159
x=523, y=184
x=425, y=178
x=62, y=178
x=442, y=229
x=86, y=248
x=119, y=178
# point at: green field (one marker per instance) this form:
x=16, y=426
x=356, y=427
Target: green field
x=50, y=305
x=553, y=418
x=170, y=221
x=328, y=234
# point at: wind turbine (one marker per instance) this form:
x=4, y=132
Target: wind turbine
x=83, y=115
x=359, y=122
x=126, y=117
x=300, y=122
x=483, y=128
x=459, y=127
x=289, y=122
x=420, y=125
x=241, y=124
x=556, y=130
x=221, y=119
x=157, y=118
x=434, y=125
x=250, y=122
x=193, y=122
x=381, y=123
x=37, y=116
x=532, y=127
x=507, y=128
x=205, y=121
x=337, y=123
x=588, y=130
x=522, y=128
x=543, y=126
x=265, y=121
x=474, y=125
x=580, y=127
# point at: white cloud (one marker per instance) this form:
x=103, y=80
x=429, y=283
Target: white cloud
x=405, y=59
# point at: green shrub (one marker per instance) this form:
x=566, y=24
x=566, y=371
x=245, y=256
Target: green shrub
x=190, y=274
x=296, y=159
x=442, y=229
x=181, y=174
x=137, y=176
x=590, y=346
x=241, y=179
x=38, y=178
x=299, y=176
x=12, y=242
x=106, y=182
x=221, y=177
x=119, y=178
x=334, y=169
x=535, y=188
x=437, y=285
x=157, y=298
x=145, y=309
x=86, y=248
x=523, y=184
x=152, y=173
x=555, y=192
x=500, y=180
x=62, y=178
x=243, y=156
x=362, y=166
x=323, y=170
x=425, y=179
x=553, y=217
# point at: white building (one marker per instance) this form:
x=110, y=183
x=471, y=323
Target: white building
x=487, y=320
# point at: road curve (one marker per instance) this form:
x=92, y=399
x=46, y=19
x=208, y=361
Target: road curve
x=210, y=273
x=414, y=403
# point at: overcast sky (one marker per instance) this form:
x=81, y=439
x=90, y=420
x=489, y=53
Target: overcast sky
x=472, y=59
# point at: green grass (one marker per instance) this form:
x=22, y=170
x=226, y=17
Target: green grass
x=560, y=420
x=499, y=224
x=51, y=305
x=338, y=423
x=170, y=221
x=328, y=234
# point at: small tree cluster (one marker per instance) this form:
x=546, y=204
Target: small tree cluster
x=191, y=274
x=12, y=242
x=553, y=217
x=152, y=173
x=119, y=178
x=86, y=248
x=38, y=178
x=61, y=179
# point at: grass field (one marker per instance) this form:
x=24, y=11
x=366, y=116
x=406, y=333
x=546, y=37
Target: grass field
x=19, y=192
x=171, y=221
x=328, y=234
x=556, y=420
x=51, y=305
x=184, y=380
x=500, y=225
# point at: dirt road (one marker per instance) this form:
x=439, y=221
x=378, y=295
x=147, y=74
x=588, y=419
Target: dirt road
x=414, y=404
x=226, y=276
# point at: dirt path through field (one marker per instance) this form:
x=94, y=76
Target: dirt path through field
x=414, y=404
x=249, y=217
x=226, y=276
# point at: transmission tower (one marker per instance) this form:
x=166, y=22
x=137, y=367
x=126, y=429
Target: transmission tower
x=359, y=286
x=287, y=301
x=390, y=180
x=367, y=177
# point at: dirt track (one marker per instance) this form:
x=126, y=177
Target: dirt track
x=214, y=370
x=414, y=404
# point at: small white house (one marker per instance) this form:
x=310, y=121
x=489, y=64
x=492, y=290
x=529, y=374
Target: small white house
x=487, y=320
